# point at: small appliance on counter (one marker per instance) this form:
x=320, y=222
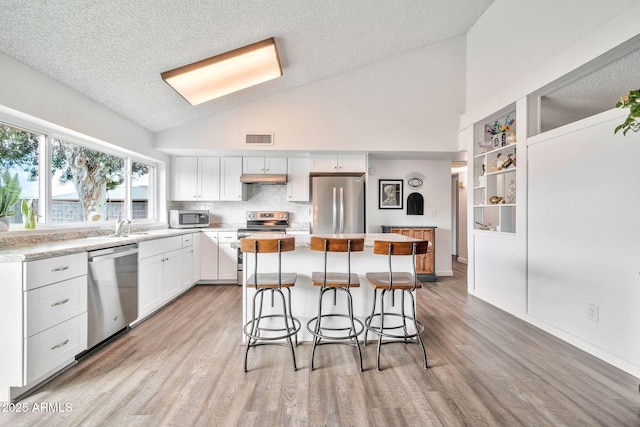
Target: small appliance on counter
x=188, y=219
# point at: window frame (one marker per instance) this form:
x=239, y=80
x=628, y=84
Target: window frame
x=48, y=134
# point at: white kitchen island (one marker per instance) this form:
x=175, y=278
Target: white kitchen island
x=303, y=261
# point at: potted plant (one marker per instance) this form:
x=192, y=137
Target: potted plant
x=9, y=196
x=632, y=102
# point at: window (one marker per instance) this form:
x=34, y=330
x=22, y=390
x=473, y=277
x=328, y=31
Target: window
x=141, y=177
x=19, y=154
x=87, y=184
x=70, y=179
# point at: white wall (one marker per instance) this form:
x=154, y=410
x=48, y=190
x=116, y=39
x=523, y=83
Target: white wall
x=577, y=248
x=583, y=235
x=407, y=103
x=28, y=91
x=514, y=37
x=437, y=202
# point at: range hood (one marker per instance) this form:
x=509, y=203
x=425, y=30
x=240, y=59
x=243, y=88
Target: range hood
x=263, y=178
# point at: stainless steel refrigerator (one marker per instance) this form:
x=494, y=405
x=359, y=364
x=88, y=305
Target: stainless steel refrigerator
x=338, y=204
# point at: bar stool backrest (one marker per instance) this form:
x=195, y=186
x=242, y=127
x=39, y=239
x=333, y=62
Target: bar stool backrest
x=383, y=247
x=337, y=244
x=267, y=245
x=389, y=248
x=277, y=245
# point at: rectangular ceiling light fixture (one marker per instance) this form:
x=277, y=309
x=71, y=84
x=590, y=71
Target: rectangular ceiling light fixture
x=226, y=73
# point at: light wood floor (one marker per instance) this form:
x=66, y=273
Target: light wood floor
x=184, y=367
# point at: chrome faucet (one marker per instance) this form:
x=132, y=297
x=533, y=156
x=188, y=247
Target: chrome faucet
x=119, y=224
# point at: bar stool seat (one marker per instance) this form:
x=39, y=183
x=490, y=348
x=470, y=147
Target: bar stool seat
x=256, y=331
x=404, y=328
x=335, y=280
x=271, y=280
x=328, y=326
x=400, y=281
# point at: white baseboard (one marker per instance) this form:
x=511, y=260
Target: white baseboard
x=462, y=260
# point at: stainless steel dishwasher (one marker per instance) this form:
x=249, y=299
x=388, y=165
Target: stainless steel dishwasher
x=113, y=291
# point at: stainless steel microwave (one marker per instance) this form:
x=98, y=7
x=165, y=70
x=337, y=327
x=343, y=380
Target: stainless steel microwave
x=188, y=219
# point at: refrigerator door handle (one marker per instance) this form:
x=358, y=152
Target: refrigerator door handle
x=335, y=213
x=341, y=210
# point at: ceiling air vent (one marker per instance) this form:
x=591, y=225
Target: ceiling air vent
x=259, y=139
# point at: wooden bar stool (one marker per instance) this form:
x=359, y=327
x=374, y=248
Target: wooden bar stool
x=408, y=329
x=334, y=332
x=273, y=283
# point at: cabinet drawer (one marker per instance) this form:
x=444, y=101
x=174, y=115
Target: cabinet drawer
x=155, y=247
x=187, y=240
x=227, y=236
x=54, y=347
x=49, y=305
x=51, y=270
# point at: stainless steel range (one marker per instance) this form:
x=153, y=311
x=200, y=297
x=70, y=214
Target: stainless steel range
x=263, y=222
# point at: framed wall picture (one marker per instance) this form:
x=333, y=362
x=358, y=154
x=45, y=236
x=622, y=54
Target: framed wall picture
x=390, y=193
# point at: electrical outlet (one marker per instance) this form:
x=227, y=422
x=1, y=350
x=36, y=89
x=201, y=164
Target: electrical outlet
x=593, y=312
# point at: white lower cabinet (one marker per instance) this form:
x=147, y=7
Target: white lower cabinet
x=54, y=346
x=227, y=257
x=218, y=258
x=149, y=284
x=195, y=259
x=159, y=273
x=190, y=261
x=43, y=320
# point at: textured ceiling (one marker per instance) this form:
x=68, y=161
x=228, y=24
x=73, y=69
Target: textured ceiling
x=591, y=94
x=114, y=51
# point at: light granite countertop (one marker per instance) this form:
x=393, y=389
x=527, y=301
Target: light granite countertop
x=39, y=244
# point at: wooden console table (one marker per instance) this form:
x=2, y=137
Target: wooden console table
x=426, y=263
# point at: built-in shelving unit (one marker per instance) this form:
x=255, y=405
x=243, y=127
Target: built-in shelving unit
x=494, y=182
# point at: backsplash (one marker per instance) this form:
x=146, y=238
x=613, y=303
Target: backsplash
x=259, y=198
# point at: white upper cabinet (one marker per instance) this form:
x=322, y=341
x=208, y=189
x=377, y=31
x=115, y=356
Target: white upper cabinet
x=231, y=189
x=196, y=178
x=341, y=163
x=264, y=165
x=298, y=179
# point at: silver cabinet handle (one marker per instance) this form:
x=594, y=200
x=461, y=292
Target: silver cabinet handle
x=60, y=268
x=64, y=301
x=62, y=344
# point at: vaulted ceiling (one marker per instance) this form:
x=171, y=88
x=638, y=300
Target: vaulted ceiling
x=114, y=51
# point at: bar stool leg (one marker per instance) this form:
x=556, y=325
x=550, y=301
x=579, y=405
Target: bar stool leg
x=415, y=324
x=286, y=325
x=316, y=338
x=291, y=313
x=353, y=326
x=381, y=328
x=255, y=324
x=370, y=318
x=404, y=317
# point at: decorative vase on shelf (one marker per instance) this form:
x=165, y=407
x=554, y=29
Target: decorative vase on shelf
x=510, y=194
x=4, y=223
x=499, y=140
